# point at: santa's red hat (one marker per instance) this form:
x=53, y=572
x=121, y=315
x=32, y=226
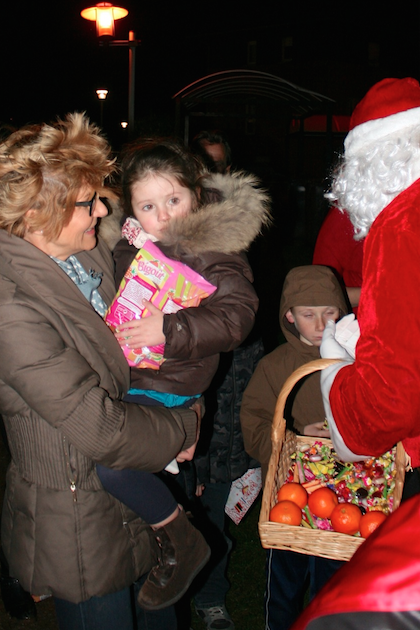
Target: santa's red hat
x=391, y=106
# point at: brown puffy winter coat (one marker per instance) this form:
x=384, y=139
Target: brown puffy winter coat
x=211, y=241
x=62, y=375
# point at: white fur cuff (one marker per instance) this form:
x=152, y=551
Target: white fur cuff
x=327, y=378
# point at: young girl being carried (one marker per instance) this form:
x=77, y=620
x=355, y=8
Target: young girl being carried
x=207, y=222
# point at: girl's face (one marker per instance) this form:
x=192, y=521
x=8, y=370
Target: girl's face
x=157, y=199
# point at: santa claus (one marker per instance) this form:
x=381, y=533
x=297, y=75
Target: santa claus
x=373, y=401
x=372, y=397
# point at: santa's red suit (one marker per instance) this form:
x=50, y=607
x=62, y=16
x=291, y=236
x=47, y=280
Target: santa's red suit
x=375, y=402
x=380, y=587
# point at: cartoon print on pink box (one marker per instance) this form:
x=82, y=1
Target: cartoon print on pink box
x=169, y=284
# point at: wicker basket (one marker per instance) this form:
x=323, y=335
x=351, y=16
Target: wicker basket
x=314, y=542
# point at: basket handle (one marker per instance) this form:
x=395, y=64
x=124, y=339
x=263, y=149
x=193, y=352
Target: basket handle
x=278, y=428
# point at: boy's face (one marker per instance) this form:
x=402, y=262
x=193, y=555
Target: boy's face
x=310, y=321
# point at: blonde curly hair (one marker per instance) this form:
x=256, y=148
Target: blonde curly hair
x=43, y=167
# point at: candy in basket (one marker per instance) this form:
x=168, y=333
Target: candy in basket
x=334, y=496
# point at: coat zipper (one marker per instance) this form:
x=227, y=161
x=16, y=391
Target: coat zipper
x=70, y=474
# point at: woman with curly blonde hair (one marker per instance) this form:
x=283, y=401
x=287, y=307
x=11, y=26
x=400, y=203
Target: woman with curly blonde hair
x=62, y=380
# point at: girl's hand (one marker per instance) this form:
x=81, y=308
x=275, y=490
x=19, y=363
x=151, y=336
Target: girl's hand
x=147, y=331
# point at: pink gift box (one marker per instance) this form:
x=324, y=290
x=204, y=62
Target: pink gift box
x=169, y=284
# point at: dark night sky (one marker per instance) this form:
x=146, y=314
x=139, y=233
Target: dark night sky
x=51, y=62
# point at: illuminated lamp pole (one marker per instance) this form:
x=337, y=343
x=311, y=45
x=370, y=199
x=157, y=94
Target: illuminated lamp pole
x=102, y=94
x=105, y=14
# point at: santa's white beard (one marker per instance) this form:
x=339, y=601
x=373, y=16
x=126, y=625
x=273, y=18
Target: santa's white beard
x=365, y=184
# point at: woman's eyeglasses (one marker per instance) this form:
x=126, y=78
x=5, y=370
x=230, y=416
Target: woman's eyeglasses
x=88, y=204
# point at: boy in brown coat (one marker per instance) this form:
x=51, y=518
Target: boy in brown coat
x=311, y=296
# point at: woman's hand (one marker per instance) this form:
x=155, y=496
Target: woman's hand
x=147, y=331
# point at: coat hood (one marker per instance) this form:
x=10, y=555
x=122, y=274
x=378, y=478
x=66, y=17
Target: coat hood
x=109, y=228
x=228, y=223
x=309, y=285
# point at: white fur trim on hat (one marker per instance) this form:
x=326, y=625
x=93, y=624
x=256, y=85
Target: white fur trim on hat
x=363, y=136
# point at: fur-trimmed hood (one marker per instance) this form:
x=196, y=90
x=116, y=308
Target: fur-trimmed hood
x=227, y=225
x=109, y=228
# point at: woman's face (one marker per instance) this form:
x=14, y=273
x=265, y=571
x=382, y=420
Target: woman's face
x=157, y=199
x=79, y=234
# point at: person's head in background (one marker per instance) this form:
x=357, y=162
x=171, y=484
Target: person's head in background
x=214, y=150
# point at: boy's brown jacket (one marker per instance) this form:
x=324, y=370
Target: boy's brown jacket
x=312, y=285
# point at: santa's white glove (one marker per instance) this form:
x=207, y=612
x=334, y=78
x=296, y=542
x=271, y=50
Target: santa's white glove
x=347, y=333
x=339, y=340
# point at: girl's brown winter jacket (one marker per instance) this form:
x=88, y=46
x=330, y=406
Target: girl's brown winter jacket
x=211, y=241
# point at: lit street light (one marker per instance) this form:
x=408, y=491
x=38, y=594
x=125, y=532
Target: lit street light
x=102, y=94
x=105, y=14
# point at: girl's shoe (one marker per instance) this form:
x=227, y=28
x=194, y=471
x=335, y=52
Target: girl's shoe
x=183, y=553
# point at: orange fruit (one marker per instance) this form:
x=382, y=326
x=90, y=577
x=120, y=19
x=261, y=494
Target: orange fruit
x=293, y=492
x=371, y=521
x=345, y=518
x=286, y=512
x=321, y=502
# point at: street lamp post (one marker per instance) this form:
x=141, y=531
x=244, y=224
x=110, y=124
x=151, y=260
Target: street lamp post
x=105, y=14
x=102, y=94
